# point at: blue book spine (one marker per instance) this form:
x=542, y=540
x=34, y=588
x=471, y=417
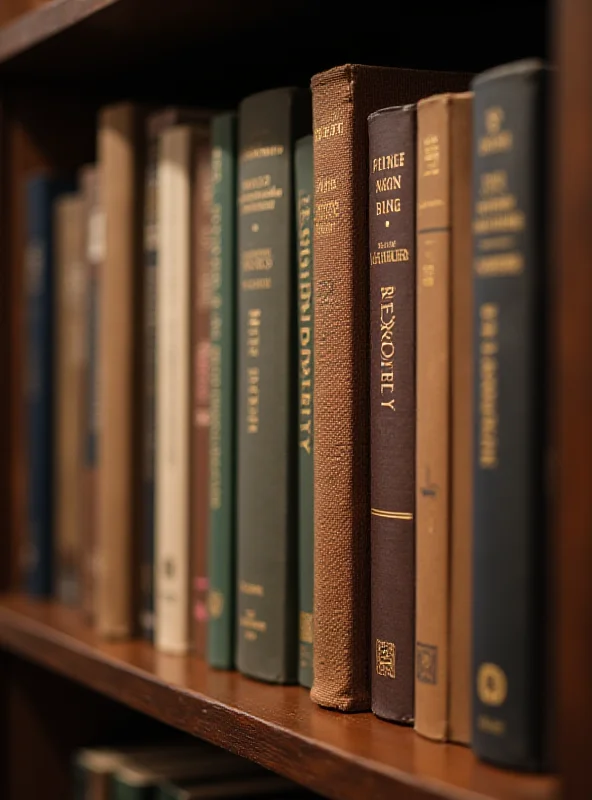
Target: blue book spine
x=41, y=193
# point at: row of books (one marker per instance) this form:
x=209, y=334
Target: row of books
x=168, y=771
x=299, y=364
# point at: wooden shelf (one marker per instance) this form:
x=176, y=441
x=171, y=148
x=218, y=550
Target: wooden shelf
x=338, y=755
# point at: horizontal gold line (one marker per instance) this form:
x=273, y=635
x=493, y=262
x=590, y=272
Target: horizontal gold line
x=392, y=514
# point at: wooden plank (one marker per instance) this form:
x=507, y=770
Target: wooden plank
x=340, y=756
x=570, y=205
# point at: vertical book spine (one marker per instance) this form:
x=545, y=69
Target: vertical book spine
x=221, y=566
x=200, y=373
x=392, y=408
x=267, y=543
x=509, y=433
x=433, y=424
x=304, y=192
x=149, y=390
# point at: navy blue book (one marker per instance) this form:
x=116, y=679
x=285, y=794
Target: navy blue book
x=42, y=191
x=510, y=701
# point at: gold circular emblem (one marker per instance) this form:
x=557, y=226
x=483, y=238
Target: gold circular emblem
x=492, y=684
x=215, y=604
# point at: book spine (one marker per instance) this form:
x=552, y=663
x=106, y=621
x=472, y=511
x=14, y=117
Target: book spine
x=304, y=192
x=39, y=552
x=432, y=496
x=392, y=177
x=149, y=390
x=39, y=556
x=173, y=426
x=509, y=433
x=200, y=347
x=94, y=254
x=461, y=527
x=221, y=558
x=267, y=443
x=120, y=155
x=68, y=336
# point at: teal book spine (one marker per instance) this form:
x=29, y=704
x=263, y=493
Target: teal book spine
x=304, y=193
x=221, y=556
x=267, y=499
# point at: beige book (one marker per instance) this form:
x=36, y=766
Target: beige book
x=172, y=563
x=69, y=394
x=444, y=470
x=120, y=161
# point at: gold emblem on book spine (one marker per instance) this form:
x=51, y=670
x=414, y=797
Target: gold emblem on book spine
x=492, y=684
x=385, y=658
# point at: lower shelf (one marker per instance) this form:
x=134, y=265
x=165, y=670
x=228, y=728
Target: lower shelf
x=337, y=755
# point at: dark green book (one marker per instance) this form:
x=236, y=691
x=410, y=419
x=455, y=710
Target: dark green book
x=267, y=605
x=221, y=630
x=510, y=259
x=304, y=231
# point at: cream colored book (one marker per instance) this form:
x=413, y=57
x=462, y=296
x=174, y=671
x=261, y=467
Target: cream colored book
x=120, y=162
x=172, y=562
x=69, y=394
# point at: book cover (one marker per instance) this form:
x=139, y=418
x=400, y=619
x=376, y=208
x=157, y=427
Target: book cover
x=269, y=123
x=41, y=192
x=222, y=471
x=510, y=436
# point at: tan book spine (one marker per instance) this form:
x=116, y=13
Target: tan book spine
x=461, y=571
x=443, y=196
x=69, y=386
x=343, y=98
x=120, y=155
x=173, y=370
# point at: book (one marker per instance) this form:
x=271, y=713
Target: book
x=392, y=200
x=172, y=567
x=247, y=786
x=94, y=253
x=304, y=193
x=343, y=98
x=121, y=153
x=69, y=355
x=510, y=434
x=222, y=471
x=41, y=192
x=269, y=123
x=444, y=423
x=156, y=123
x=201, y=210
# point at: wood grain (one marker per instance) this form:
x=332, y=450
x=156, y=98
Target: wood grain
x=340, y=756
x=571, y=480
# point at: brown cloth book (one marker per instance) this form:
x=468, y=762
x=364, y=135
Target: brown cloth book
x=444, y=419
x=343, y=98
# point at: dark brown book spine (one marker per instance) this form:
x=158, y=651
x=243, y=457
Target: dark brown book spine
x=343, y=98
x=392, y=177
x=200, y=455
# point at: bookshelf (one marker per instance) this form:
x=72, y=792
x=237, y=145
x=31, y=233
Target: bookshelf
x=59, y=61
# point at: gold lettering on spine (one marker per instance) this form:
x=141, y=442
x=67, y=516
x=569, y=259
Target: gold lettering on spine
x=327, y=211
x=488, y=385
x=253, y=372
x=387, y=346
x=305, y=302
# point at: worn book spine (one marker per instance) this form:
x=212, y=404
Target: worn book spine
x=222, y=475
x=269, y=122
x=149, y=390
x=343, y=98
x=41, y=192
x=201, y=210
x=94, y=253
x=304, y=193
x=68, y=338
x=173, y=392
x=392, y=198
x=509, y=520
x=121, y=174
x=443, y=549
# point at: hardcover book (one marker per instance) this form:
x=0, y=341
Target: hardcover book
x=269, y=123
